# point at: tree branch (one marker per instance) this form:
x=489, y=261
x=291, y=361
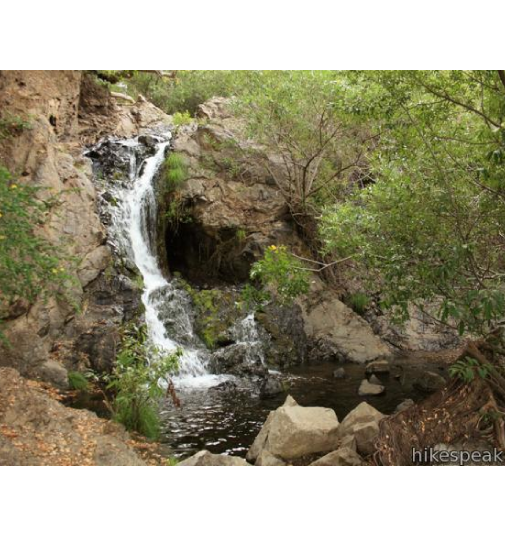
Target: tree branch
x=501, y=74
x=444, y=95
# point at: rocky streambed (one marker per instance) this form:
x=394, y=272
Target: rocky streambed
x=226, y=419
x=298, y=435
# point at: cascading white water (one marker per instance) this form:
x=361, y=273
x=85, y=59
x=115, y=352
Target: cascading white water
x=245, y=332
x=168, y=307
x=133, y=218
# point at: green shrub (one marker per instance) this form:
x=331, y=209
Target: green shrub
x=282, y=271
x=30, y=266
x=252, y=297
x=468, y=369
x=137, y=382
x=182, y=118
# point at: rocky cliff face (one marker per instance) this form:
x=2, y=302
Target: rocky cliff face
x=232, y=212
x=232, y=206
x=64, y=110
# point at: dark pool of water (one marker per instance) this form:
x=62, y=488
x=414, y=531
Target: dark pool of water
x=228, y=422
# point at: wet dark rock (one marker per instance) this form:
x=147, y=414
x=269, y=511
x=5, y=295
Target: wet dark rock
x=148, y=140
x=271, y=387
x=107, y=196
x=236, y=359
x=340, y=374
x=287, y=343
x=99, y=345
x=112, y=159
x=225, y=387
x=111, y=300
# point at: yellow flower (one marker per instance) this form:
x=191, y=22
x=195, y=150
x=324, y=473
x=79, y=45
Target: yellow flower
x=2, y=237
x=13, y=186
x=54, y=270
x=272, y=248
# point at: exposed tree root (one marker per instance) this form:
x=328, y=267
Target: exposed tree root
x=459, y=413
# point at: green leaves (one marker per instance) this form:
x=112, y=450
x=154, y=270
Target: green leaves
x=430, y=228
x=283, y=272
x=299, y=115
x=468, y=368
x=138, y=381
x=29, y=264
x=175, y=169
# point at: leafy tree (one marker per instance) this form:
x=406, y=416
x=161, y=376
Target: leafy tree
x=299, y=115
x=430, y=226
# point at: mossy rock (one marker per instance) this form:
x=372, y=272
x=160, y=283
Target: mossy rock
x=216, y=312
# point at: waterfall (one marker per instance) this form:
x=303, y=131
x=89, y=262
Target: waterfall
x=131, y=213
x=168, y=313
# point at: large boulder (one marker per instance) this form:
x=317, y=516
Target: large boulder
x=362, y=424
x=292, y=432
x=365, y=435
x=336, y=331
x=204, y=457
x=420, y=332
